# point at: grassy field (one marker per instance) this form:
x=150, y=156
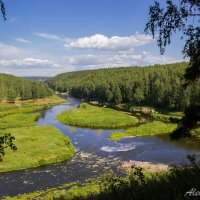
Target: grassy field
x=19, y=120
x=24, y=113
x=96, y=117
x=29, y=106
x=36, y=146
x=152, y=128
x=167, y=117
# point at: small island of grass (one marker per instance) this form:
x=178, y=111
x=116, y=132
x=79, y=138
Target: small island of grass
x=36, y=146
x=148, y=129
x=96, y=117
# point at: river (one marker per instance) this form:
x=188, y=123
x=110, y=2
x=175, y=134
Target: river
x=95, y=154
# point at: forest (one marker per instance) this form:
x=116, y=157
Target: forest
x=12, y=88
x=158, y=85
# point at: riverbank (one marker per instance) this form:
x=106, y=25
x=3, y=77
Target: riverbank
x=147, y=129
x=36, y=146
x=96, y=117
x=138, y=185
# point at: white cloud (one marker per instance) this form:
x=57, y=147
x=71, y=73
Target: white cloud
x=22, y=40
x=50, y=36
x=38, y=63
x=114, y=43
x=117, y=60
x=8, y=50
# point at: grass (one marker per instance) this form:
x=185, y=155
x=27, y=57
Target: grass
x=148, y=129
x=19, y=120
x=48, y=101
x=24, y=113
x=29, y=106
x=36, y=146
x=167, y=117
x=96, y=117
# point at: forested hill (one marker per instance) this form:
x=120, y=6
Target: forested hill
x=12, y=88
x=159, y=85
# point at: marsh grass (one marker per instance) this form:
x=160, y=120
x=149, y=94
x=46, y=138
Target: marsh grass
x=96, y=117
x=147, y=129
x=36, y=146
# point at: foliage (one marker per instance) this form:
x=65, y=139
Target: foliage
x=183, y=18
x=147, y=129
x=156, y=86
x=13, y=88
x=3, y=10
x=31, y=151
x=96, y=117
x=172, y=184
x=6, y=141
x=188, y=122
x=173, y=18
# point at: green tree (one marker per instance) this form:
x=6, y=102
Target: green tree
x=117, y=96
x=11, y=95
x=183, y=17
x=6, y=141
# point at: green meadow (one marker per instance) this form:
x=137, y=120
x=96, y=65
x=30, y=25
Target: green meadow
x=147, y=129
x=96, y=117
x=167, y=117
x=24, y=113
x=19, y=120
x=31, y=151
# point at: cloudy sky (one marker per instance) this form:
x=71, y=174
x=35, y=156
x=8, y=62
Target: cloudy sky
x=47, y=37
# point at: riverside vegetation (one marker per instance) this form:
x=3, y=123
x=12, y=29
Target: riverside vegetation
x=147, y=92
x=155, y=88
x=171, y=184
x=96, y=117
x=159, y=86
x=19, y=115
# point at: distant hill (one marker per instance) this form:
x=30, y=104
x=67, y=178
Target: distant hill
x=12, y=88
x=159, y=85
x=37, y=78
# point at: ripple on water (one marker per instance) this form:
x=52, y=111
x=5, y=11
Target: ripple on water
x=118, y=147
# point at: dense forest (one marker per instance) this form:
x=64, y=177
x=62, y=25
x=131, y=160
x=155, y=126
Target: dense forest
x=159, y=85
x=12, y=88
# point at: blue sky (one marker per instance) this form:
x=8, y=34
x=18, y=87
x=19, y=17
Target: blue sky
x=47, y=37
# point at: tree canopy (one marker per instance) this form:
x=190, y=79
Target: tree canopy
x=12, y=88
x=182, y=17
x=159, y=85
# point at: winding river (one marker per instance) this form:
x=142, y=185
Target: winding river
x=95, y=154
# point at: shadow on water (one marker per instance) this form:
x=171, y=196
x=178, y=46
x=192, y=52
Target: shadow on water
x=95, y=154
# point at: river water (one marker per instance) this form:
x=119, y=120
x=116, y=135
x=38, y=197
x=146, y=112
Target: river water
x=95, y=154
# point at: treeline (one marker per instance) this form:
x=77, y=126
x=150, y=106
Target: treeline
x=12, y=88
x=159, y=85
